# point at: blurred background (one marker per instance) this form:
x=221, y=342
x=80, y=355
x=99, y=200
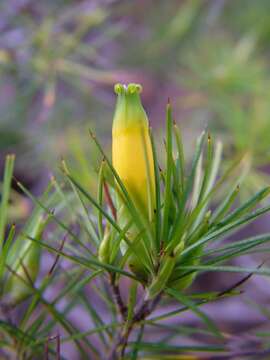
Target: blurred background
x=60, y=59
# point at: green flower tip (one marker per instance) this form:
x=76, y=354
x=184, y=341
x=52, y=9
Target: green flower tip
x=127, y=89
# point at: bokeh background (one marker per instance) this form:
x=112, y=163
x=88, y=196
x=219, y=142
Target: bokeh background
x=60, y=59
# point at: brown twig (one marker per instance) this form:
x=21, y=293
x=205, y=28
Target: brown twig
x=57, y=256
x=238, y=283
x=58, y=351
x=46, y=350
x=46, y=347
x=27, y=274
x=117, y=297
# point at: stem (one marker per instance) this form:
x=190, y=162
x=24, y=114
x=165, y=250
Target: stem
x=120, y=346
x=117, y=297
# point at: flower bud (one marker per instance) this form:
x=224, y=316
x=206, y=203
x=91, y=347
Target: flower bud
x=132, y=157
x=104, y=251
x=132, y=149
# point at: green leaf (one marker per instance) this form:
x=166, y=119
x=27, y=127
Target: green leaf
x=157, y=210
x=85, y=222
x=134, y=354
x=241, y=244
x=234, y=269
x=194, y=308
x=54, y=312
x=225, y=205
x=142, y=259
x=8, y=171
x=168, y=178
x=178, y=226
x=100, y=198
x=181, y=157
x=87, y=263
x=159, y=346
x=246, y=207
x=225, y=229
x=5, y=250
x=47, y=210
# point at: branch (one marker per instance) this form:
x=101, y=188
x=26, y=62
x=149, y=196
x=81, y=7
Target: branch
x=144, y=310
x=117, y=297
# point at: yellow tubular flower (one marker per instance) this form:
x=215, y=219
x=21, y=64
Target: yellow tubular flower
x=131, y=148
x=133, y=160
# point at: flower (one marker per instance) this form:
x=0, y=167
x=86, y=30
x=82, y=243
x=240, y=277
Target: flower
x=133, y=161
x=132, y=149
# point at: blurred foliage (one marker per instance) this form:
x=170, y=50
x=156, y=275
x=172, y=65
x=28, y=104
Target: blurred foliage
x=51, y=59
x=228, y=69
